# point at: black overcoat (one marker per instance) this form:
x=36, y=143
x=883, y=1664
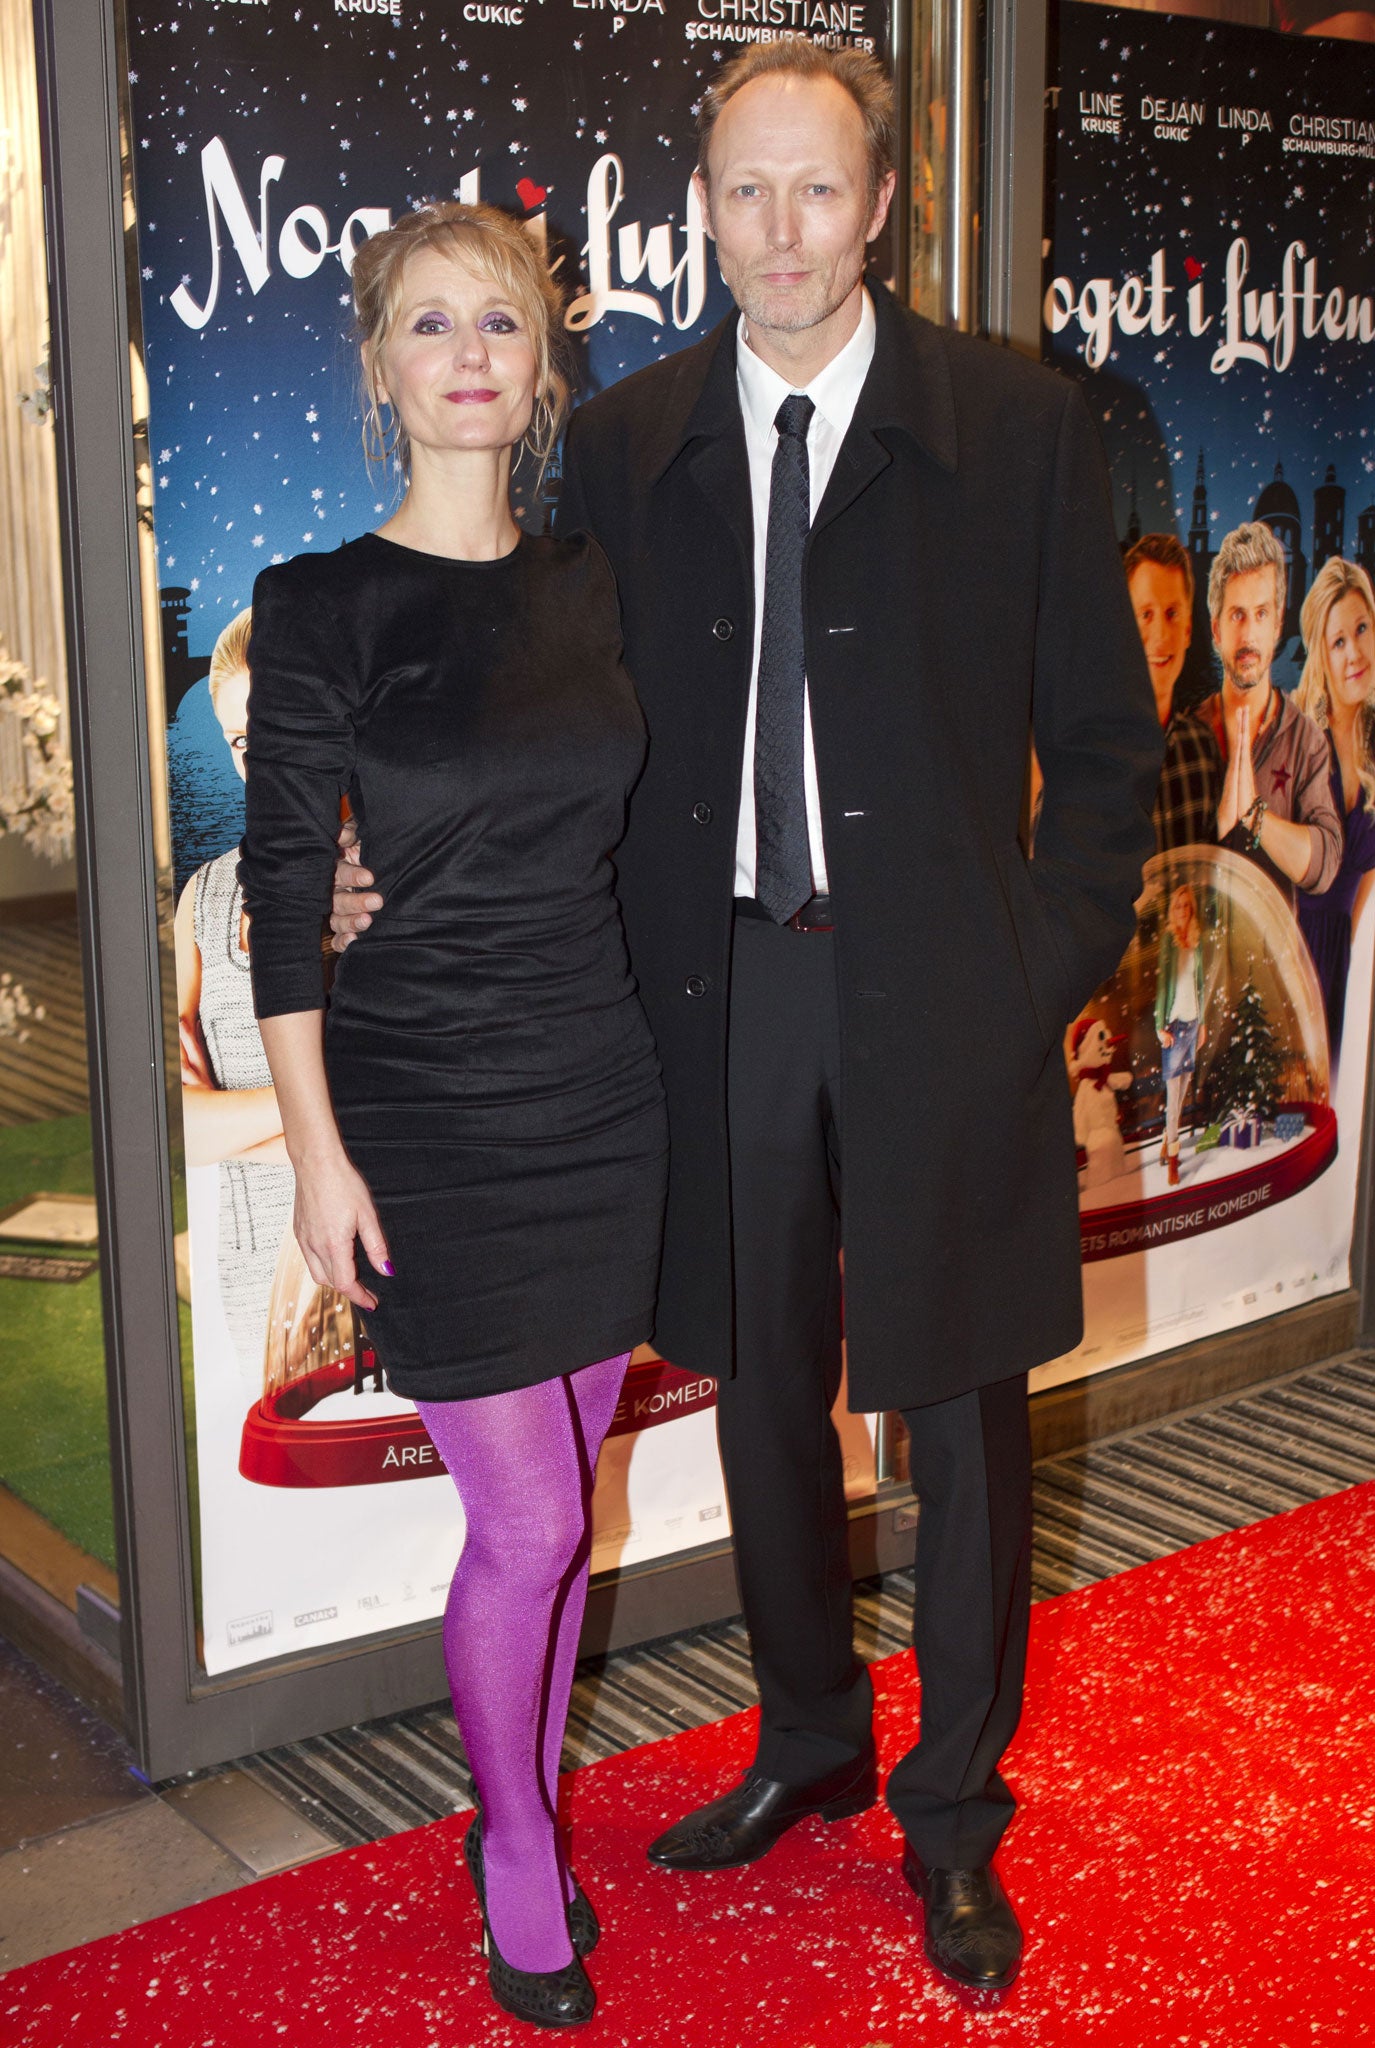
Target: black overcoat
x=963, y=586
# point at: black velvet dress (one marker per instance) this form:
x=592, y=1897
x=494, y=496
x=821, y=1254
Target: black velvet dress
x=492, y=1072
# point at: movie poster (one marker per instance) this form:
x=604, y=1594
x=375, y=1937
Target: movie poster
x=268, y=138
x=1210, y=280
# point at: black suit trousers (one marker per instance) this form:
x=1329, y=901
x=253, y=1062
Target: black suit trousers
x=971, y=1466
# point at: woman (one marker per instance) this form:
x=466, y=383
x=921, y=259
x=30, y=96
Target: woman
x=478, y=1133
x=229, y=1106
x=1337, y=689
x=1179, y=1021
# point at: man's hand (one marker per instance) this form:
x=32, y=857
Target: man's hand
x=354, y=898
x=1229, y=810
x=1246, y=771
x=1239, y=789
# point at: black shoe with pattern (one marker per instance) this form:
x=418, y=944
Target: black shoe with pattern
x=547, y=1998
x=972, y=1933
x=745, y=1822
x=584, y=1928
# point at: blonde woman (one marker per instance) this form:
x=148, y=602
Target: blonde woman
x=1179, y=1021
x=229, y=1106
x=478, y=1127
x=1337, y=690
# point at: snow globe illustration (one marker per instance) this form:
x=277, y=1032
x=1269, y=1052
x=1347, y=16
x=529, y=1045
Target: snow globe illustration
x=326, y=1417
x=1200, y=1071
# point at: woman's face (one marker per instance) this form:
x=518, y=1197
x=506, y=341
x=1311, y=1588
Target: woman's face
x=460, y=364
x=1181, y=913
x=231, y=709
x=1349, y=643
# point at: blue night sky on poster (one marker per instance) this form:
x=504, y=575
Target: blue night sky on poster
x=1232, y=172
x=263, y=133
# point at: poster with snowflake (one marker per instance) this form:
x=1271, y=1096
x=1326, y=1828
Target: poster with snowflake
x=1210, y=280
x=266, y=139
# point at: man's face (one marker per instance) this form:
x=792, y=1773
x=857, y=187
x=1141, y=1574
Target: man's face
x=1247, y=630
x=788, y=204
x=1160, y=599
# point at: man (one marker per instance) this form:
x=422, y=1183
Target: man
x=1160, y=583
x=1247, y=769
x=858, y=559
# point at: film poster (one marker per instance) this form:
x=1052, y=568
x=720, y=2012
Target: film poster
x=267, y=139
x=1210, y=279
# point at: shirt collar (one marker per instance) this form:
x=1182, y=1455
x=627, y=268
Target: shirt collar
x=834, y=391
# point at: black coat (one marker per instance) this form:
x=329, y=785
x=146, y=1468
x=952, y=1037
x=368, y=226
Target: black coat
x=962, y=587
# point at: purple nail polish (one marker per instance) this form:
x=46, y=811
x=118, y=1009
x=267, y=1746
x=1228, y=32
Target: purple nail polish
x=387, y=1268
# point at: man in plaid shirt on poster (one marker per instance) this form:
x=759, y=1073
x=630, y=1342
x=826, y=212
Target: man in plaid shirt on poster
x=1246, y=768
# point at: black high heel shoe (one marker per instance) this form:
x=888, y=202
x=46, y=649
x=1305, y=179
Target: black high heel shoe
x=547, y=1998
x=584, y=1928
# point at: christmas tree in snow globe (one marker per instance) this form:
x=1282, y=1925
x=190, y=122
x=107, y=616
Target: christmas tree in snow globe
x=1244, y=1089
x=1257, y=1079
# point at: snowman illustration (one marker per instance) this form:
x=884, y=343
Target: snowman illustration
x=1096, y=1092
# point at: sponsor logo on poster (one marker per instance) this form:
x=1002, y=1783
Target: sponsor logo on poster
x=249, y=1627
x=313, y=1616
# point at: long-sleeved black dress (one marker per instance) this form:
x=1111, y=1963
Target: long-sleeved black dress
x=492, y=1072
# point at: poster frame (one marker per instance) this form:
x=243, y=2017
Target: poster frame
x=176, y=1718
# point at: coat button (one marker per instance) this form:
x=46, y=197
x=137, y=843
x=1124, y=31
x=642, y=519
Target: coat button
x=696, y=985
x=702, y=813
x=723, y=629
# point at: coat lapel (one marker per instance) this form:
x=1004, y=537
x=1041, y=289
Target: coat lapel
x=906, y=393
x=702, y=426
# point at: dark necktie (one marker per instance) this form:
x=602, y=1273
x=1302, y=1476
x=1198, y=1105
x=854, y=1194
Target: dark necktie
x=783, y=866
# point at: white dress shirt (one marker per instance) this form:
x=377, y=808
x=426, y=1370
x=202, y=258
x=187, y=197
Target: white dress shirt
x=834, y=393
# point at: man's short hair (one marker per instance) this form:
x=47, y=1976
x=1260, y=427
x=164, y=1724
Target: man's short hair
x=1248, y=547
x=861, y=75
x=1167, y=552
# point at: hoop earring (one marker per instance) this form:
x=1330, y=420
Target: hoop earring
x=380, y=442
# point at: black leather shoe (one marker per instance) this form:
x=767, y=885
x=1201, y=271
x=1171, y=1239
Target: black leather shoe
x=972, y=1933
x=744, y=1824
x=584, y=1928
x=547, y=1998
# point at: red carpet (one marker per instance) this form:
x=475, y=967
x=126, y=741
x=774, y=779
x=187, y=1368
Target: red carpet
x=1195, y=1861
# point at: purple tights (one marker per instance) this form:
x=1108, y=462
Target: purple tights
x=523, y=1464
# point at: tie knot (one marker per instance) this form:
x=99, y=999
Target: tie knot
x=794, y=415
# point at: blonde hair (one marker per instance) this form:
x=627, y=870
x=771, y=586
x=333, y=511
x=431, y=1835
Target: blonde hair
x=860, y=75
x=231, y=653
x=496, y=246
x=1194, y=930
x=1335, y=580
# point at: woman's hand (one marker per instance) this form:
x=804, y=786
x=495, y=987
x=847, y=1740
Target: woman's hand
x=1166, y=1038
x=333, y=1206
